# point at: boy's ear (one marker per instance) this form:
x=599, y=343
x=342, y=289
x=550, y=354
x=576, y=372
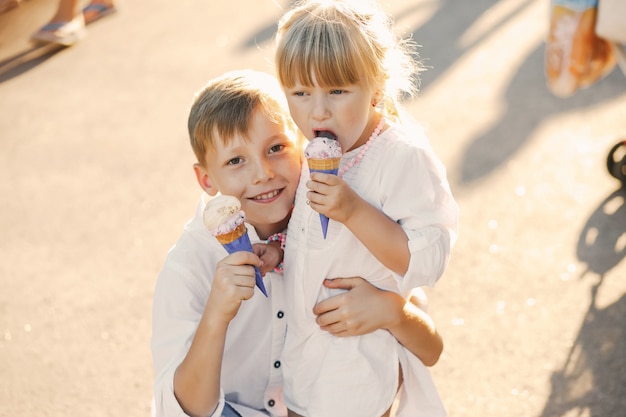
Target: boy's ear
x=204, y=180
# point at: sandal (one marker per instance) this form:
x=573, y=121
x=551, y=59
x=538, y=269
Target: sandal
x=96, y=11
x=62, y=33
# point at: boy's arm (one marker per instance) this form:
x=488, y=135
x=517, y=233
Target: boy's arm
x=383, y=237
x=197, y=379
x=365, y=308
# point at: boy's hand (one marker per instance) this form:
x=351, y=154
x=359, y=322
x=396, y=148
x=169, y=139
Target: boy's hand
x=361, y=310
x=332, y=196
x=270, y=254
x=233, y=283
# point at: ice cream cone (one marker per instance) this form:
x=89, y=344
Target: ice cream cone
x=323, y=154
x=328, y=166
x=323, y=165
x=229, y=237
x=225, y=220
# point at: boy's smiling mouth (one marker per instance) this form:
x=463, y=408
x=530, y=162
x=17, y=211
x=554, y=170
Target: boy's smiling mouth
x=268, y=196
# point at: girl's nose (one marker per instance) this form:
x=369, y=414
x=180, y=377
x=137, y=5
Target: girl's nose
x=320, y=109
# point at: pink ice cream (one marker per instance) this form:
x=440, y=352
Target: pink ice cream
x=323, y=148
x=323, y=154
x=222, y=215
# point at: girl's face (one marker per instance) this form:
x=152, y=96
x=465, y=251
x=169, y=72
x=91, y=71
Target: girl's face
x=345, y=111
x=262, y=170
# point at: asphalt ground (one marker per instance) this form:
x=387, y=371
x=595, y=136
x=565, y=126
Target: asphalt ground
x=96, y=184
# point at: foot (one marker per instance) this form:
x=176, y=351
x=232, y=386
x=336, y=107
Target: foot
x=98, y=9
x=62, y=33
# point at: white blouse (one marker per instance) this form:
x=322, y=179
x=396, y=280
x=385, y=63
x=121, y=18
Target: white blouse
x=358, y=376
x=251, y=367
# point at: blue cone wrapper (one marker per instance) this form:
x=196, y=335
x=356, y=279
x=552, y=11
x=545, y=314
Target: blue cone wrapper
x=323, y=218
x=243, y=244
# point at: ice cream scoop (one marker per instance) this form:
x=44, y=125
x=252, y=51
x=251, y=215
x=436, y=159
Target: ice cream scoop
x=323, y=147
x=224, y=219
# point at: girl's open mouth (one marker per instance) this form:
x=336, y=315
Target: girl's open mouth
x=325, y=134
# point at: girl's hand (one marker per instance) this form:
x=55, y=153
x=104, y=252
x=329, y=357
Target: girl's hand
x=233, y=283
x=361, y=310
x=270, y=254
x=332, y=196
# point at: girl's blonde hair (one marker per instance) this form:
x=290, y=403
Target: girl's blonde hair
x=225, y=105
x=344, y=42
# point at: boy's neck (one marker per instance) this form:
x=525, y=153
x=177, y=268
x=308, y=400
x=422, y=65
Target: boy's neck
x=264, y=231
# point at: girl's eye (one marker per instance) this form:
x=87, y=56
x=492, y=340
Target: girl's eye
x=336, y=92
x=277, y=148
x=234, y=161
x=299, y=93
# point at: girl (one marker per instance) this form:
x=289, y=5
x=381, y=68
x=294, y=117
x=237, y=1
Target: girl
x=343, y=72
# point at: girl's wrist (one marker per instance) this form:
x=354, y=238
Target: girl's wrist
x=280, y=240
x=396, y=311
x=358, y=213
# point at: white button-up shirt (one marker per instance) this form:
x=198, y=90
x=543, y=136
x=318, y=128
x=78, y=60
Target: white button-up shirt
x=358, y=376
x=251, y=368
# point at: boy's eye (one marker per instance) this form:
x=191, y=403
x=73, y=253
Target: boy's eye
x=336, y=91
x=234, y=161
x=277, y=148
x=298, y=93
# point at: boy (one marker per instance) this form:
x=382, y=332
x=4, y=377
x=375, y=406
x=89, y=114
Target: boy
x=216, y=342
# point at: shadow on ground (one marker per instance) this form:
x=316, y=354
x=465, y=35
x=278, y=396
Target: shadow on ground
x=18, y=54
x=593, y=378
x=495, y=147
x=524, y=95
x=602, y=242
x=24, y=61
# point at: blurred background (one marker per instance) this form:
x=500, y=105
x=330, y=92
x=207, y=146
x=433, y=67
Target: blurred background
x=96, y=183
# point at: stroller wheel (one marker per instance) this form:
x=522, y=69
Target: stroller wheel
x=616, y=161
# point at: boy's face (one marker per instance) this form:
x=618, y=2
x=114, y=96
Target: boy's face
x=262, y=171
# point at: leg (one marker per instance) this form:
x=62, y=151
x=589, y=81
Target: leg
x=66, y=11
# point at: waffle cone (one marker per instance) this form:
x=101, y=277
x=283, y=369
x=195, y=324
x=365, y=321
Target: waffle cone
x=232, y=236
x=324, y=164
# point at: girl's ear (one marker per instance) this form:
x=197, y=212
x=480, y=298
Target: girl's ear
x=378, y=95
x=204, y=180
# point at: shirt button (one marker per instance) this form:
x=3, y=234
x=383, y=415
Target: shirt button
x=271, y=403
x=277, y=364
x=280, y=315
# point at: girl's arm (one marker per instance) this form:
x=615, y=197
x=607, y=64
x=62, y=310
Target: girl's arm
x=383, y=237
x=365, y=308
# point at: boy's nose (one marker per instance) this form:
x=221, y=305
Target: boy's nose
x=263, y=171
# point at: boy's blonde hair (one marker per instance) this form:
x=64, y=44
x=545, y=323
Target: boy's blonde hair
x=344, y=42
x=224, y=107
